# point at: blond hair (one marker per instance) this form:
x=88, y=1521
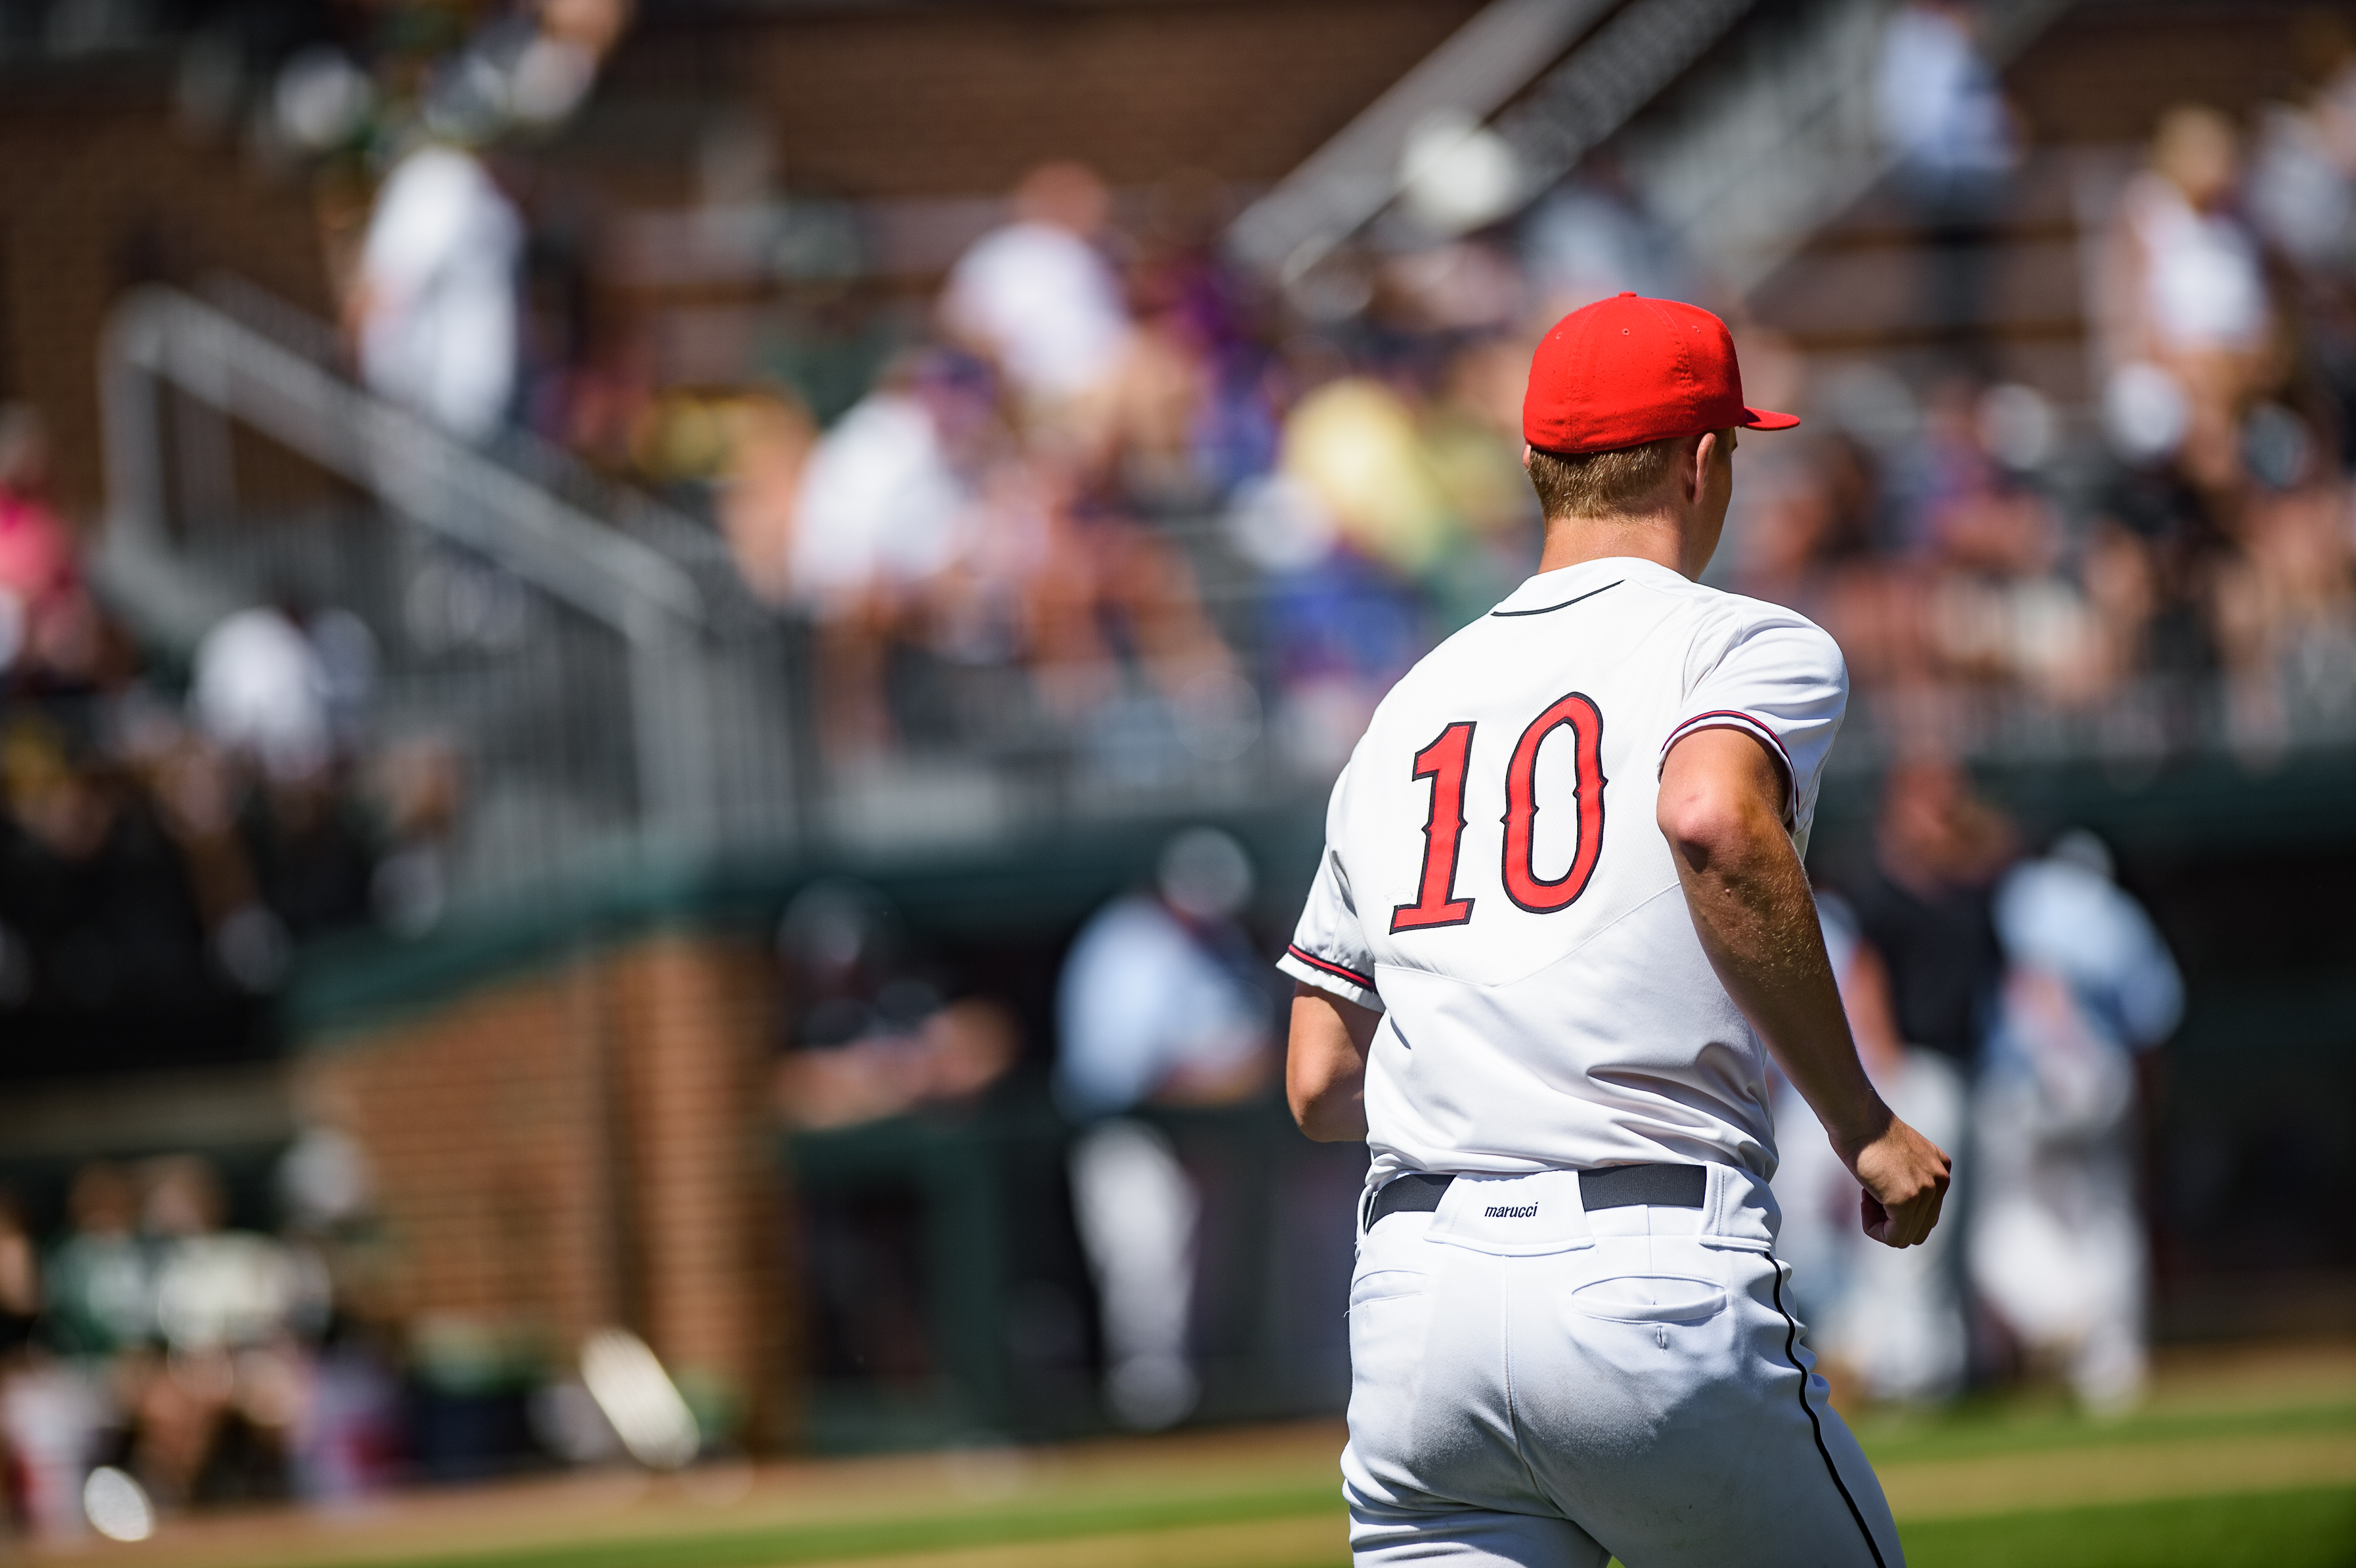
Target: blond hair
x=1598, y=483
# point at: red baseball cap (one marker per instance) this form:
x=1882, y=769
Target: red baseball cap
x=1624, y=372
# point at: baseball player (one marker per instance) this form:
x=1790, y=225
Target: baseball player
x=1559, y=924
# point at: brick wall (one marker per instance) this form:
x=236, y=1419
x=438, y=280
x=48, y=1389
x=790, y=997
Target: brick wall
x=101, y=185
x=2106, y=73
x=960, y=99
x=585, y=1145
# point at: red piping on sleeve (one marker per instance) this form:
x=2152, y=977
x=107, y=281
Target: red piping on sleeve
x=1296, y=950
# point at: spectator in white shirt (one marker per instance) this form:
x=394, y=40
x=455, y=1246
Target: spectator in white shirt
x=1154, y=1007
x=1945, y=124
x=1039, y=297
x=2057, y=1240
x=434, y=306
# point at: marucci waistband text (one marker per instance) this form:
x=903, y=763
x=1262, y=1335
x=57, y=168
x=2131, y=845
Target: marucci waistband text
x=1512, y=1212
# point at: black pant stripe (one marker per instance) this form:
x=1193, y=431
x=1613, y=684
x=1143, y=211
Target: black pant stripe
x=1790, y=1340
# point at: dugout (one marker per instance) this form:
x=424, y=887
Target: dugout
x=573, y=1103
x=571, y=1097
x=570, y=1103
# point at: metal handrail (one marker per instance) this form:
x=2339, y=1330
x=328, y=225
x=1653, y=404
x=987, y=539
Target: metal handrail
x=1345, y=183
x=159, y=336
x=426, y=475
x=1780, y=145
x=1608, y=78
x=1759, y=156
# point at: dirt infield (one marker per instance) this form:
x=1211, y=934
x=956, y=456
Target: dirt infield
x=2219, y=1425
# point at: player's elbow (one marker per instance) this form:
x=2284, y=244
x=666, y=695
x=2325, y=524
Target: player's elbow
x=1329, y=1118
x=1328, y=1100
x=1325, y=1065
x=1709, y=825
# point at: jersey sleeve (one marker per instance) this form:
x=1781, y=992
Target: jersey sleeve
x=1779, y=677
x=1329, y=947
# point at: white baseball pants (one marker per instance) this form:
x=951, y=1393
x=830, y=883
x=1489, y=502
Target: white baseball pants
x=1539, y=1386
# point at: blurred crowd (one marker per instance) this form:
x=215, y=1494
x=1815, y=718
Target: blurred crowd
x=2192, y=530
x=1161, y=1006
x=170, y=829
x=1097, y=482
x=1094, y=481
x=153, y=1355
x=1108, y=460
x=2009, y=1000
x=1089, y=425
x=175, y=821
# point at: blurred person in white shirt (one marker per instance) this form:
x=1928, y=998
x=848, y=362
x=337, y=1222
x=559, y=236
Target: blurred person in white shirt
x=1041, y=298
x=1155, y=1006
x=2186, y=312
x=2057, y=1241
x=227, y=1305
x=434, y=309
x=879, y=503
x=1941, y=112
x=2303, y=179
x=262, y=692
x=1944, y=122
x=879, y=515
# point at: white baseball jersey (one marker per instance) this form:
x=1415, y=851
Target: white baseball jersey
x=1494, y=880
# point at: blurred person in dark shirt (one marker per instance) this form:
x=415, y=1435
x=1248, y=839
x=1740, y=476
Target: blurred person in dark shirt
x=1187, y=420
x=1925, y=906
x=282, y=692
x=101, y=896
x=869, y=1033
x=1893, y=1319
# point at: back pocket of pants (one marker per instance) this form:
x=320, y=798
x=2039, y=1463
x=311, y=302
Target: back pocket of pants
x=1650, y=1298
x=1385, y=1284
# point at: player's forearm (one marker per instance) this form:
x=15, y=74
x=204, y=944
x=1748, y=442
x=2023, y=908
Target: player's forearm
x=1325, y=1064
x=1757, y=919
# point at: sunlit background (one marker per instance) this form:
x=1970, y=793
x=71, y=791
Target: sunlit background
x=670, y=673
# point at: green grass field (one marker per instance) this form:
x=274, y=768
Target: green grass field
x=2311, y=1528
x=2240, y=1461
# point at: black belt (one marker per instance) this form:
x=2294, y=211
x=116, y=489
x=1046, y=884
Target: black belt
x=1606, y=1187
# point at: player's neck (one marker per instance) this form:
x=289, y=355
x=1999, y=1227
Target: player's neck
x=1572, y=541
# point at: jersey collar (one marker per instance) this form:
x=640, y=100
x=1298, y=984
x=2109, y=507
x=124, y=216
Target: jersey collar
x=1560, y=588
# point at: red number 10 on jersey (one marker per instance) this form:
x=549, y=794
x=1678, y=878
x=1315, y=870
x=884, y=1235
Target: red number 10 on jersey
x=1444, y=762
